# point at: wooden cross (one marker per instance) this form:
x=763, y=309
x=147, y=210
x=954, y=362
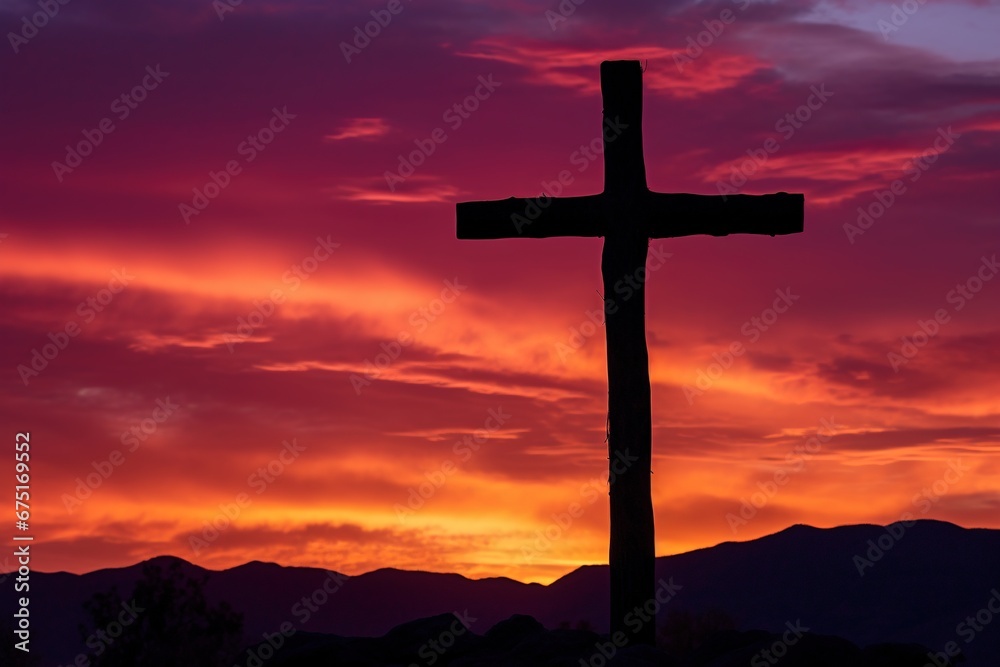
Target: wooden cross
x=627, y=214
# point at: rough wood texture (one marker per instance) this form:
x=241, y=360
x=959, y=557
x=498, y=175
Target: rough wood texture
x=632, y=550
x=627, y=214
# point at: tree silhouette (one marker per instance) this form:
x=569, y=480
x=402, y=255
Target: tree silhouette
x=166, y=622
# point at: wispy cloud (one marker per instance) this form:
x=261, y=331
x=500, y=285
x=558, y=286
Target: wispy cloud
x=426, y=190
x=360, y=128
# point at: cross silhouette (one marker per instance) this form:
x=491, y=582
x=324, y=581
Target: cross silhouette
x=627, y=214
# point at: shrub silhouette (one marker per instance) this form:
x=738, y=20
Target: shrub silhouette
x=684, y=631
x=166, y=622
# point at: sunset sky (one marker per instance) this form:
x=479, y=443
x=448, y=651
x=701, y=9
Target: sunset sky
x=206, y=323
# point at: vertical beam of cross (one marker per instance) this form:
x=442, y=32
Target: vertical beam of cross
x=631, y=555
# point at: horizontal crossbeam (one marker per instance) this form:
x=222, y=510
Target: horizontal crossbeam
x=538, y=218
x=665, y=216
x=672, y=215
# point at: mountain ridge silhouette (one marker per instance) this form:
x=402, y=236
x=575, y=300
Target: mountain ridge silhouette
x=918, y=590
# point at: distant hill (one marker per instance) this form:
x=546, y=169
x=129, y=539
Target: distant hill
x=917, y=587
